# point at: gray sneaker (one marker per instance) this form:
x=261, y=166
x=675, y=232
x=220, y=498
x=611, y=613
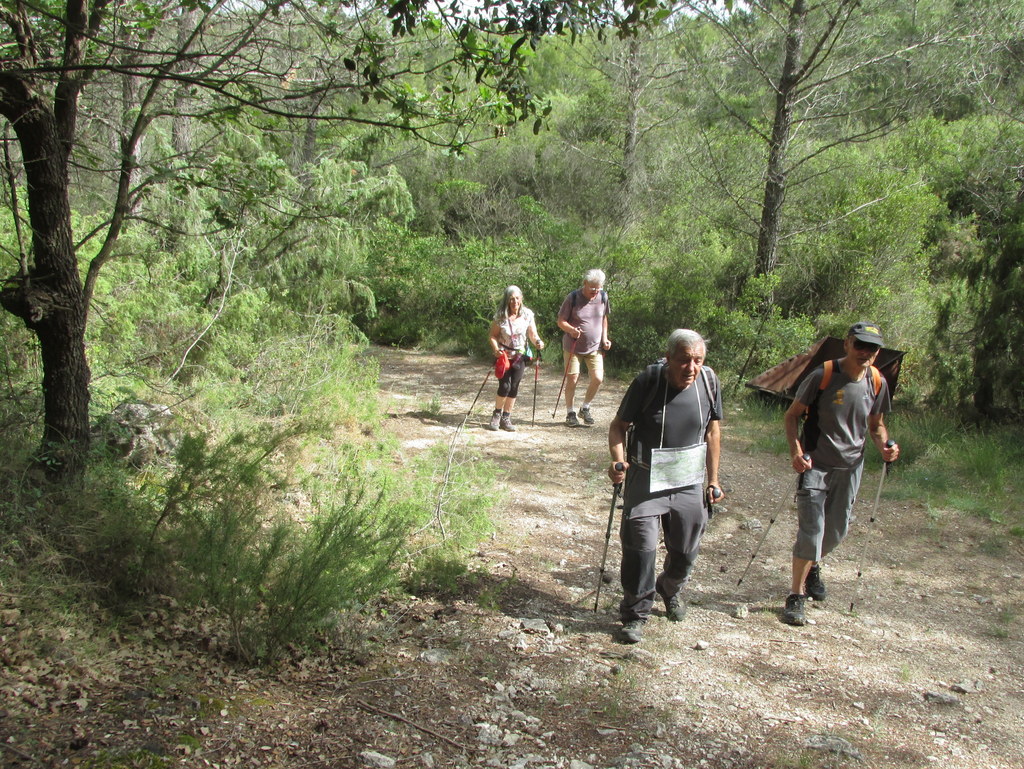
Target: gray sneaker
x=632, y=632
x=506, y=423
x=495, y=421
x=793, y=614
x=585, y=416
x=571, y=420
x=813, y=585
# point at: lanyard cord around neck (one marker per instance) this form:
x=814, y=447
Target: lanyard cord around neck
x=511, y=335
x=664, y=408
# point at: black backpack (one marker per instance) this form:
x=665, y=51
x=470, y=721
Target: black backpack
x=651, y=378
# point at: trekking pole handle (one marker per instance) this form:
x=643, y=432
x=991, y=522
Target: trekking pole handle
x=618, y=467
x=715, y=493
x=806, y=458
x=889, y=444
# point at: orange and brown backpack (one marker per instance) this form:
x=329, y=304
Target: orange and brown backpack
x=811, y=431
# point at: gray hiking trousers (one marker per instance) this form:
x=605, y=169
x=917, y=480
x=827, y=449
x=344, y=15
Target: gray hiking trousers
x=682, y=518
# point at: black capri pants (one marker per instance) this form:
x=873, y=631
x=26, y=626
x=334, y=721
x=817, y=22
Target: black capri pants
x=508, y=385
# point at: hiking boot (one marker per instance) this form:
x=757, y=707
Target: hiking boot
x=813, y=585
x=495, y=420
x=506, y=423
x=632, y=631
x=675, y=609
x=571, y=420
x=585, y=416
x=793, y=614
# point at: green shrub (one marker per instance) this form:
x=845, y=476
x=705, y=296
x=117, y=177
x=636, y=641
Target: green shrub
x=279, y=556
x=461, y=494
x=274, y=567
x=442, y=295
x=436, y=574
x=20, y=373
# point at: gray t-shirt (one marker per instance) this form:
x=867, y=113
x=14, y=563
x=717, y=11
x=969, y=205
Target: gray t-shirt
x=836, y=429
x=686, y=415
x=588, y=317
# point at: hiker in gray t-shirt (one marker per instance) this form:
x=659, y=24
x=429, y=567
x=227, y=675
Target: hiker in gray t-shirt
x=674, y=409
x=844, y=402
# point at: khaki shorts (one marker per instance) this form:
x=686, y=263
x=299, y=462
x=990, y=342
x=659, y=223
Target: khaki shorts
x=594, y=361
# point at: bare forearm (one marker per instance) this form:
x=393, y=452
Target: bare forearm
x=617, y=440
x=714, y=441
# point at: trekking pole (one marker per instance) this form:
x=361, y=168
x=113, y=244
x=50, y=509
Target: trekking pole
x=473, y=405
x=616, y=489
x=782, y=503
x=568, y=363
x=446, y=475
x=871, y=520
x=536, y=376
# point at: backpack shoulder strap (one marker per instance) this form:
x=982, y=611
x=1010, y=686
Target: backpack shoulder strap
x=575, y=293
x=707, y=382
x=711, y=395
x=826, y=377
x=652, y=383
x=828, y=366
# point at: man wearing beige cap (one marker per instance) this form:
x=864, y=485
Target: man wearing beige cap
x=836, y=408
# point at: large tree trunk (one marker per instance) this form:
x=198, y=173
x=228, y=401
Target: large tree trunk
x=49, y=298
x=782, y=127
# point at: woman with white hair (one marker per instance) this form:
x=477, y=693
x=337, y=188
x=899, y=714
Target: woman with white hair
x=512, y=327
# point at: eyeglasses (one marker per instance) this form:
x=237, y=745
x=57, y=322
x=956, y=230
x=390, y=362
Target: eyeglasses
x=865, y=346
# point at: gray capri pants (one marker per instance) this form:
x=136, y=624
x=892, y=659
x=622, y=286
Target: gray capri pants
x=824, y=499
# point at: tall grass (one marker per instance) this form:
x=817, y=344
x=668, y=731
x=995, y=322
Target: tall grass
x=755, y=420
x=947, y=464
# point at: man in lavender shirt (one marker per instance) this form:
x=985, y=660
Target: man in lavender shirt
x=583, y=317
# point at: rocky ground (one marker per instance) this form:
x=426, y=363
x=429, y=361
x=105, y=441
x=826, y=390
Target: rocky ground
x=928, y=670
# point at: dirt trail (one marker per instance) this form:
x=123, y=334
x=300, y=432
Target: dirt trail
x=928, y=671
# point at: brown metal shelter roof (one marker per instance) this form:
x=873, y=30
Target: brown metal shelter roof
x=784, y=379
